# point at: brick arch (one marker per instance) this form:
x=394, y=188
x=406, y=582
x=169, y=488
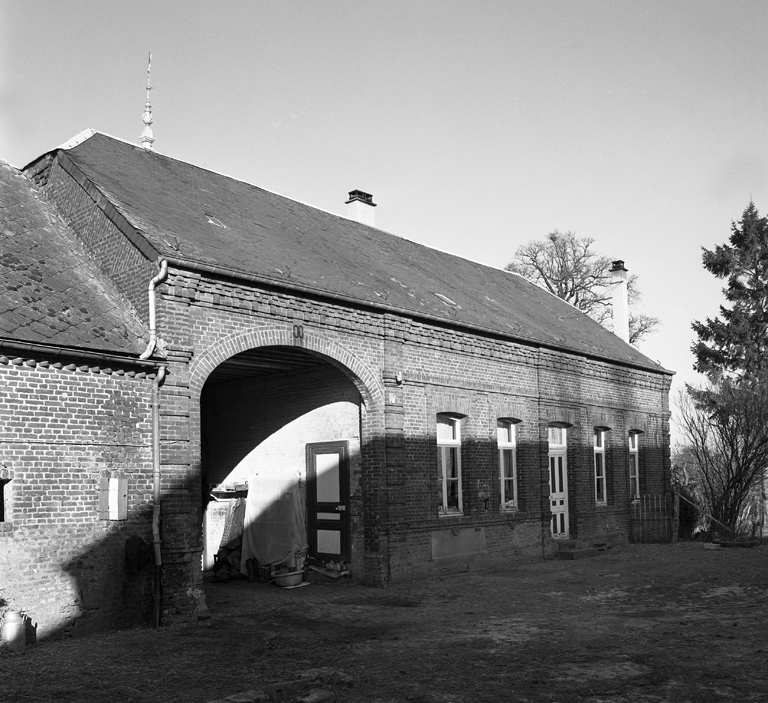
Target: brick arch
x=359, y=373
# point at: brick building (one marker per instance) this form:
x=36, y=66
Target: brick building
x=74, y=426
x=431, y=413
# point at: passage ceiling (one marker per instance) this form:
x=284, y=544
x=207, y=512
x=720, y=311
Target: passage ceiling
x=265, y=361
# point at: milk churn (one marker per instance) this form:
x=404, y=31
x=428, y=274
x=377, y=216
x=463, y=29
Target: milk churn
x=13, y=632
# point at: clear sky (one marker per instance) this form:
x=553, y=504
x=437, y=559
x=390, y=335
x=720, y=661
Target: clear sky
x=477, y=125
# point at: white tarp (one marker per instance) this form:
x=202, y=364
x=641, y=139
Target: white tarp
x=274, y=527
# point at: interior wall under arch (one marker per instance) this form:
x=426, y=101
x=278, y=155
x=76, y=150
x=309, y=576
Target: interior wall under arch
x=255, y=423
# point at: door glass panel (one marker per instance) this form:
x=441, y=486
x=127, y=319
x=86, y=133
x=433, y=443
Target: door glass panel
x=552, y=477
x=329, y=541
x=560, y=474
x=328, y=516
x=327, y=466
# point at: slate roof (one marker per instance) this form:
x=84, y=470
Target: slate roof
x=180, y=209
x=51, y=292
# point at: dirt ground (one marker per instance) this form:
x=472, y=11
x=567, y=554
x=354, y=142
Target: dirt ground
x=638, y=623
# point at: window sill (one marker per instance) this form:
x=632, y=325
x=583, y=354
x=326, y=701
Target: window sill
x=516, y=514
x=449, y=513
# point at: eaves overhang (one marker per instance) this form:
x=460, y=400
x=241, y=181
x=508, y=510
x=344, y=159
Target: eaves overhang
x=20, y=346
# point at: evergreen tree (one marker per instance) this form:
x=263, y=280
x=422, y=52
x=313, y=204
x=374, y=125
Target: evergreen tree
x=735, y=342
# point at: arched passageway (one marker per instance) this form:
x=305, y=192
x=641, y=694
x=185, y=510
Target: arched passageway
x=281, y=459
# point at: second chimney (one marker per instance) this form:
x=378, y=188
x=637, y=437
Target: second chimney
x=620, y=302
x=360, y=208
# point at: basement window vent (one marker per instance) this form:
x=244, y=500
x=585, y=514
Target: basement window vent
x=215, y=221
x=447, y=300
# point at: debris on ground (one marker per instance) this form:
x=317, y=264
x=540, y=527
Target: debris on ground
x=311, y=686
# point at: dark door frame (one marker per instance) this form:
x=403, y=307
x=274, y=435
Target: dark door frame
x=341, y=507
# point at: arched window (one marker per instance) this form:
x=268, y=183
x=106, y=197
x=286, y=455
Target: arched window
x=449, y=462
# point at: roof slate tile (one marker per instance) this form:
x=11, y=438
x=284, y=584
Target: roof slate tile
x=50, y=290
x=179, y=209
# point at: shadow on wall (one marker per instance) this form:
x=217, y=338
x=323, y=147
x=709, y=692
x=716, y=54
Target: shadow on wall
x=78, y=590
x=111, y=581
x=239, y=416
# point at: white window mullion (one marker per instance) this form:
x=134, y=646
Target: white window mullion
x=634, y=467
x=600, y=483
x=449, y=459
x=507, y=443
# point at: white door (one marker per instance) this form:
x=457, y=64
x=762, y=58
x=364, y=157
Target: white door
x=558, y=493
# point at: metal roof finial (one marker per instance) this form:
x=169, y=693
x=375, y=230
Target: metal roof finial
x=147, y=138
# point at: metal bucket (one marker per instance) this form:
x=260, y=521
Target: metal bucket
x=14, y=631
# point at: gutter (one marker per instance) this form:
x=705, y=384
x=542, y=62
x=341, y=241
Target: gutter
x=53, y=350
x=263, y=280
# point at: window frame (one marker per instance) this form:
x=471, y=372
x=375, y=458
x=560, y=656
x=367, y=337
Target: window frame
x=552, y=433
x=113, y=495
x=5, y=499
x=507, y=450
x=557, y=470
x=599, y=439
x=449, y=448
x=634, y=463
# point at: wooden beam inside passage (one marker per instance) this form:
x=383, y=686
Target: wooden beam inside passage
x=264, y=362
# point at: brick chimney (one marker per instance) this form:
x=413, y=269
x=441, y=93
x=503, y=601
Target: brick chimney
x=620, y=301
x=360, y=208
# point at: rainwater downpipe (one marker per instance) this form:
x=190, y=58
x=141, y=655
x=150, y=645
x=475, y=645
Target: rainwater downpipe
x=156, y=540
x=156, y=497
x=161, y=276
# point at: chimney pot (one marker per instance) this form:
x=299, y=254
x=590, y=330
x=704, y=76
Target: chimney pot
x=620, y=303
x=617, y=265
x=360, y=207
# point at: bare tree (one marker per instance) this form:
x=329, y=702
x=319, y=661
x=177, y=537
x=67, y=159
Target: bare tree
x=724, y=427
x=567, y=267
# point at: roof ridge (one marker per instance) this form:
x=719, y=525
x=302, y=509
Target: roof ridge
x=302, y=202
x=88, y=133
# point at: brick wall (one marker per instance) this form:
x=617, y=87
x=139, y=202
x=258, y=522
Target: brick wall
x=62, y=427
x=407, y=372
x=121, y=261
